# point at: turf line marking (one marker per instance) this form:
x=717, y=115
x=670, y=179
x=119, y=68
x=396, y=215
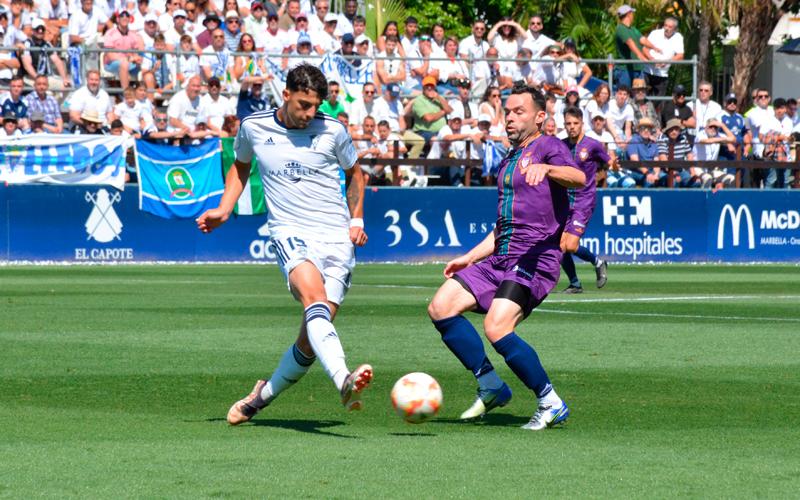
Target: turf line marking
x=665, y=315
x=676, y=298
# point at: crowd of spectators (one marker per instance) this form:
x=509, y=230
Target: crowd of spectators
x=192, y=69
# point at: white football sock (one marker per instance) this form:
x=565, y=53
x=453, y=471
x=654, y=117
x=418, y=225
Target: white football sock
x=291, y=368
x=325, y=342
x=550, y=399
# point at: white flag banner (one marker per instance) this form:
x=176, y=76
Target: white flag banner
x=63, y=159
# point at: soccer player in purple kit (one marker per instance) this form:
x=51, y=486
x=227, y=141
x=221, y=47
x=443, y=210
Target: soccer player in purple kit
x=513, y=269
x=588, y=154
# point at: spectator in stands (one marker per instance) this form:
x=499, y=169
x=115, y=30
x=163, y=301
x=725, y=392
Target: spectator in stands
x=437, y=40
x=359, y=29
x=475, y=45
x=90, y=122
x=344, y=118
x=677, y=108
x=287, y=19
x=10, y=125
x=256, y=22
x=409, y=39
x=642, y=107
x=167, y=17
x=451, y=69
x=738, y=127
x=597, y=104
x=620, y=118
x=184, y=110
x=390, y=29
x=232, y=30
x=364, y=139
x=251, y=97
x=187, y=63
x=302, y=52
x=387, y=139
x=599, y=132
x=90, y=97
x=549, y=126
x=55, y=15
x=704, y=108
x=643, y=147
x=272, y=41
x=707, y=146
x=523, y=68
x=85, y=24
x=630, y=45
x=42, y=63
x=507, y=37
x=674, y=145
x=464, y=106
x=331, y=105
x=46, y=105
x=141, y=11
x=419, y=65
x=216, y=58
x=791, y=111
x=368, y=105
x=18, y=18
x=12, y=101
x=123, y=64
x=212, y=23
x=179, y=29
x=159, y=133
x=451, y=142
x=492, y=105
x=215, y=105
x=325, y=40
x=391, y=67
x=300, y=27
x=8, y=62
x=489, y=72
x=535, y=40
x=573, y=72
x=316, y=22
x=158, y=69
x=776, y=136
x=391, y=108
x=149, y=31
x=670, y=47
x=37, y=123
x=250, y=64
x=429, y=110
x=130, y=113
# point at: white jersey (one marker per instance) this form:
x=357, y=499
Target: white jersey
x=300, y=173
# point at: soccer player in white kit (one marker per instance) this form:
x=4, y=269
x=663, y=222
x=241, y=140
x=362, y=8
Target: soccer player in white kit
x=312, y=228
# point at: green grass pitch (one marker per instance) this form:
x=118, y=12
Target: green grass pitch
x=683, y=381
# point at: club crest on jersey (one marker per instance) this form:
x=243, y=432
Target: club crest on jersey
x=583, y=154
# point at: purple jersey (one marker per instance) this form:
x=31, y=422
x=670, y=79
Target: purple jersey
x=530, y=219
x=589, y=154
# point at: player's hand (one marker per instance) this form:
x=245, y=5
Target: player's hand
x=569, y=242
x=456, y=265
x=211, y=219
x=358, y=236
x=535, y=173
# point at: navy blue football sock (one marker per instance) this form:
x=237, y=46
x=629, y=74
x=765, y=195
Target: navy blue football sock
x=584, y=253
x=568, y=265
x=463, y=340
x=524, y=362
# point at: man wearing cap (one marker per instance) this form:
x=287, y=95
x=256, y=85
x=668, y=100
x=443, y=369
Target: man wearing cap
x=738, y=127
x=85, y=24
x=233, y=30
x=429, y=110
x=464, y=106
x=677, y=108
x=216, y=58
x=178, y=29
x=643, y=147
x=670, y=45
x=211, y=23
x=46, y=105
x=149, y=30
x=673, y=145
x=303, y=48
x=391, y=107
x=256, y=22
x=10, y=125
x=124, y=64
x=714, y=137
x=450, y=142
x=325, y=40
x=90, y=97
x=630, y=45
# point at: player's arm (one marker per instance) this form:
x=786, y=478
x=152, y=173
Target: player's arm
x=566, y=175
x=234, y=185
x=355, y=202
x=478, y=253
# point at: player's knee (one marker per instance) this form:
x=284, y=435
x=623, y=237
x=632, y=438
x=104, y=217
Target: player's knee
x=496, y=328
x=435, y=309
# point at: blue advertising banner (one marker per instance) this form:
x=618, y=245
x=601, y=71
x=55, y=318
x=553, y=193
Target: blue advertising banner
x=97, y=223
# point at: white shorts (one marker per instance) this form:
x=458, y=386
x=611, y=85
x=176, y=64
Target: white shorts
x=335, y=262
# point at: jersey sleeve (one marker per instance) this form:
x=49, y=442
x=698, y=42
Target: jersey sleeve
x=243, y=146
x=345, y=152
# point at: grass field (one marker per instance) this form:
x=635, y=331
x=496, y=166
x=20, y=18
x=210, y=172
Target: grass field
x=683, y=381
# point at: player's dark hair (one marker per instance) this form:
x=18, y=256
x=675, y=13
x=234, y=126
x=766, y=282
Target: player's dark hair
x=573, y=111
x=306, y=77
x=536, y=96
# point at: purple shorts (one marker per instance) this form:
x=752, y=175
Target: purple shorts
x=536, y=272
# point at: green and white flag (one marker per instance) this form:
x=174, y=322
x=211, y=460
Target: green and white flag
x=251, y=202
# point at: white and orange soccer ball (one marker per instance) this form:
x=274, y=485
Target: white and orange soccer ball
x=416, y=397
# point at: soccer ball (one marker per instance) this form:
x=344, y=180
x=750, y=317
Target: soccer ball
x=416, y=397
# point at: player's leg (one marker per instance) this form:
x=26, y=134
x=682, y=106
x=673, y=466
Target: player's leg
x=600, y=265
x=568, y=265
x=445, y=310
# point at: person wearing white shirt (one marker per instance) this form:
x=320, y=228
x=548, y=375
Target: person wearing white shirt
x=437, y=40
x=464, y=106
x=452, y=68
x=184, y=110
x=389, y=66
x=474, y=46
x=90, y=98
x=272, y=41
x=216, y=59
x=620, y=117
x=347, y=17
x=780, y=127
x=390, y=108
x=316, y=21
x=706, y=147
x=174, y=34
x=141, y=12
x=535, y=40
x=215, y=105
x=670, y=43
x=409, y=39
x=704, y=108
x=84, y=25
x=130, y=112
x=368, y=105
x=506, y=37
x=325, y=40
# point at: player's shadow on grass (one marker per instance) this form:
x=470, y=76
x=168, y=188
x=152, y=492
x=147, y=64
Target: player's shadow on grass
x=413, y=434
x=492, y=419
x=309, y=426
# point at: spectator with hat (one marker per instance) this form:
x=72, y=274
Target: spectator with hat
x=90, y=123
x=429, y=110
x=233, y=30
x=707, y=145
x=418, y=65
x=738, y=127
x=642, y=106
x=166, y=19
x=674, y=145
x=463, y=105
x=123, y=64
x=256, y=22
x=39, y=62
x=211, y=22
x=670, y=47
x=10, y=125
x=303, y=52
x=37, y=123
x=450, y=142
x=644, y=147
x=178, y=30
x=149, y=30
x=391, y=108
x=630, y=44
x=300, y=26
x=677, y=108
x=40, y=103
x=325, y=40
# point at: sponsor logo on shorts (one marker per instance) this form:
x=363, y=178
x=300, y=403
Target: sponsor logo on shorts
x=522, y=272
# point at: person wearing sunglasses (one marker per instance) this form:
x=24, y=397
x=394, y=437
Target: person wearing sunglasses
x=43, y=63
x=123, y=64
x=233, y=30
x=536, y=41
